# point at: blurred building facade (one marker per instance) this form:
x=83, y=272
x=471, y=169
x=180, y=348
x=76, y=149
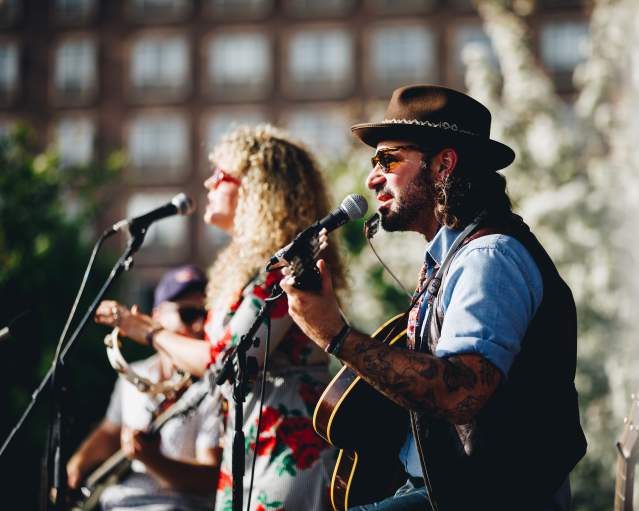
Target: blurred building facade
x=163, y=79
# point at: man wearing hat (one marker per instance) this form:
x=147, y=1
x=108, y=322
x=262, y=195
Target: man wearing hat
x=488, y=373
x=176, y=469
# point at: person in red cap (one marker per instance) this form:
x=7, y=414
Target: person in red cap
x=487, y=376
x=177, y=468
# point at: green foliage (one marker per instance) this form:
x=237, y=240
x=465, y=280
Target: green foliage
x=46, y=214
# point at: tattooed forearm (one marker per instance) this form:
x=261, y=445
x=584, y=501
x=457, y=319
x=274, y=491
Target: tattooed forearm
x=457, y=375
x=488, y=373
x=454, y=388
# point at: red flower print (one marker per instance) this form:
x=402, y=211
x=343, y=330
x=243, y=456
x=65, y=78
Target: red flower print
x=304, y=458
x=297, y=345
x=265, y=445
x=263, y=291
x=267, y=440
x=309, y=394
x=219, y=347
x=224, y=481
x=270, y=417
x=305, y=445
x=280, y=308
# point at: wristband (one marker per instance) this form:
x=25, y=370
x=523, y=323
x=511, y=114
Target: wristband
x=150, y=335
x=336, y=343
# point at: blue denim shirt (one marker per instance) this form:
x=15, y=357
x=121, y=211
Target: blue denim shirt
x=490, y=294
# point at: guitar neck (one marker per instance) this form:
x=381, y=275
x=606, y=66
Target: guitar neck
x=113, y=463
x=624, y=483
x=118, y=460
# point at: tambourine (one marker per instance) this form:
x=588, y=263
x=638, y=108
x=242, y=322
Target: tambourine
x=168, y=388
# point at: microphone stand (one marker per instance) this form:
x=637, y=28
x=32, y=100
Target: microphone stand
x=56, y=377
x=237, y=369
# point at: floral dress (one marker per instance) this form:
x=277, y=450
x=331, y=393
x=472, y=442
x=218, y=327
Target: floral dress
x=293, y=465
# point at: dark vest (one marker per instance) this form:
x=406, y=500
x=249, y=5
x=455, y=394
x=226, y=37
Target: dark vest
x=527, y=438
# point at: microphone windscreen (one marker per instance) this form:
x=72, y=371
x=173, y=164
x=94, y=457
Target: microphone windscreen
x=184, y=204
x=355, y=206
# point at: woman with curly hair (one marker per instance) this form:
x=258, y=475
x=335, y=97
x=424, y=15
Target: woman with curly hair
x=264, y=189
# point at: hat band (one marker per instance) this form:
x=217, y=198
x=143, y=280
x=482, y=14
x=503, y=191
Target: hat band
x=440, y=125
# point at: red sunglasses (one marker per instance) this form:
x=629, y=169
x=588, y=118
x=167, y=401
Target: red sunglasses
x=220, y=175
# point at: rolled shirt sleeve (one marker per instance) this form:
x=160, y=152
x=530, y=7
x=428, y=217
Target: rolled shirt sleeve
x=491, y=293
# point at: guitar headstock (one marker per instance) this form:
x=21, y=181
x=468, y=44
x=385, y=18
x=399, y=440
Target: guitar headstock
x=627, y=444
x=302, y=263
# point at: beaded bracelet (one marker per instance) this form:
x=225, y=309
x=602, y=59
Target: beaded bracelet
x=336, y=343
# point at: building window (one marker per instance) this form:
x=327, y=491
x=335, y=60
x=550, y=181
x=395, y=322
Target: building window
x=10, y=11
x=313, y=8
x=325, y=130
x=75, y=70
x=165, y=241
x=160, y=67
x=401, y=55
x=564, y=44
x=74, y=141
x=249, y=9
x=402, y=6
x=152, y=11
x=9, y=75
x=467, y=36
x=239, y=65
x=221, y=123
x=320, y=63
x=74, y=11
x=158, y=148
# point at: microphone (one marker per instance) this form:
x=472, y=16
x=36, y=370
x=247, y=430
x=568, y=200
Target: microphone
x=353, y=207
x=181, y=204
x=15, y=327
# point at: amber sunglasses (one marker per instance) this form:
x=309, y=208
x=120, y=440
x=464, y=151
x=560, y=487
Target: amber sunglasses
x=385, y=157
x=219, y=176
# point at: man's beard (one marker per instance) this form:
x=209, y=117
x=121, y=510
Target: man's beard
x=416, y=199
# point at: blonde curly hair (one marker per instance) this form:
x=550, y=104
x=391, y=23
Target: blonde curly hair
x=281, y=192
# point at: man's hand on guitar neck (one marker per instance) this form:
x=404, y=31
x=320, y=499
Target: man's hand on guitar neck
x=316, y=313
x=455, y=388
x=139, y=445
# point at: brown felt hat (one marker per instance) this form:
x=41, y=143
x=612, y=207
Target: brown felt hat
x=432, y=115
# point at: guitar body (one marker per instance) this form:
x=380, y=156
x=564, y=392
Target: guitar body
x=368, y=428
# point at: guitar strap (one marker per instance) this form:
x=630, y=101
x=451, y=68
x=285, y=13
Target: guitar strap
x=432, y=286
x=434, y=282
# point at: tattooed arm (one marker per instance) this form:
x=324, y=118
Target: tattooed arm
x=455, y=387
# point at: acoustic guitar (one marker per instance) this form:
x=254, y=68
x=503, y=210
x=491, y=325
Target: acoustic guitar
x=117, y=465
x=627, y=454
x=367, y=455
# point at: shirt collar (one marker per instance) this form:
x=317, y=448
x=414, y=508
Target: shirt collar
x=441, y=243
